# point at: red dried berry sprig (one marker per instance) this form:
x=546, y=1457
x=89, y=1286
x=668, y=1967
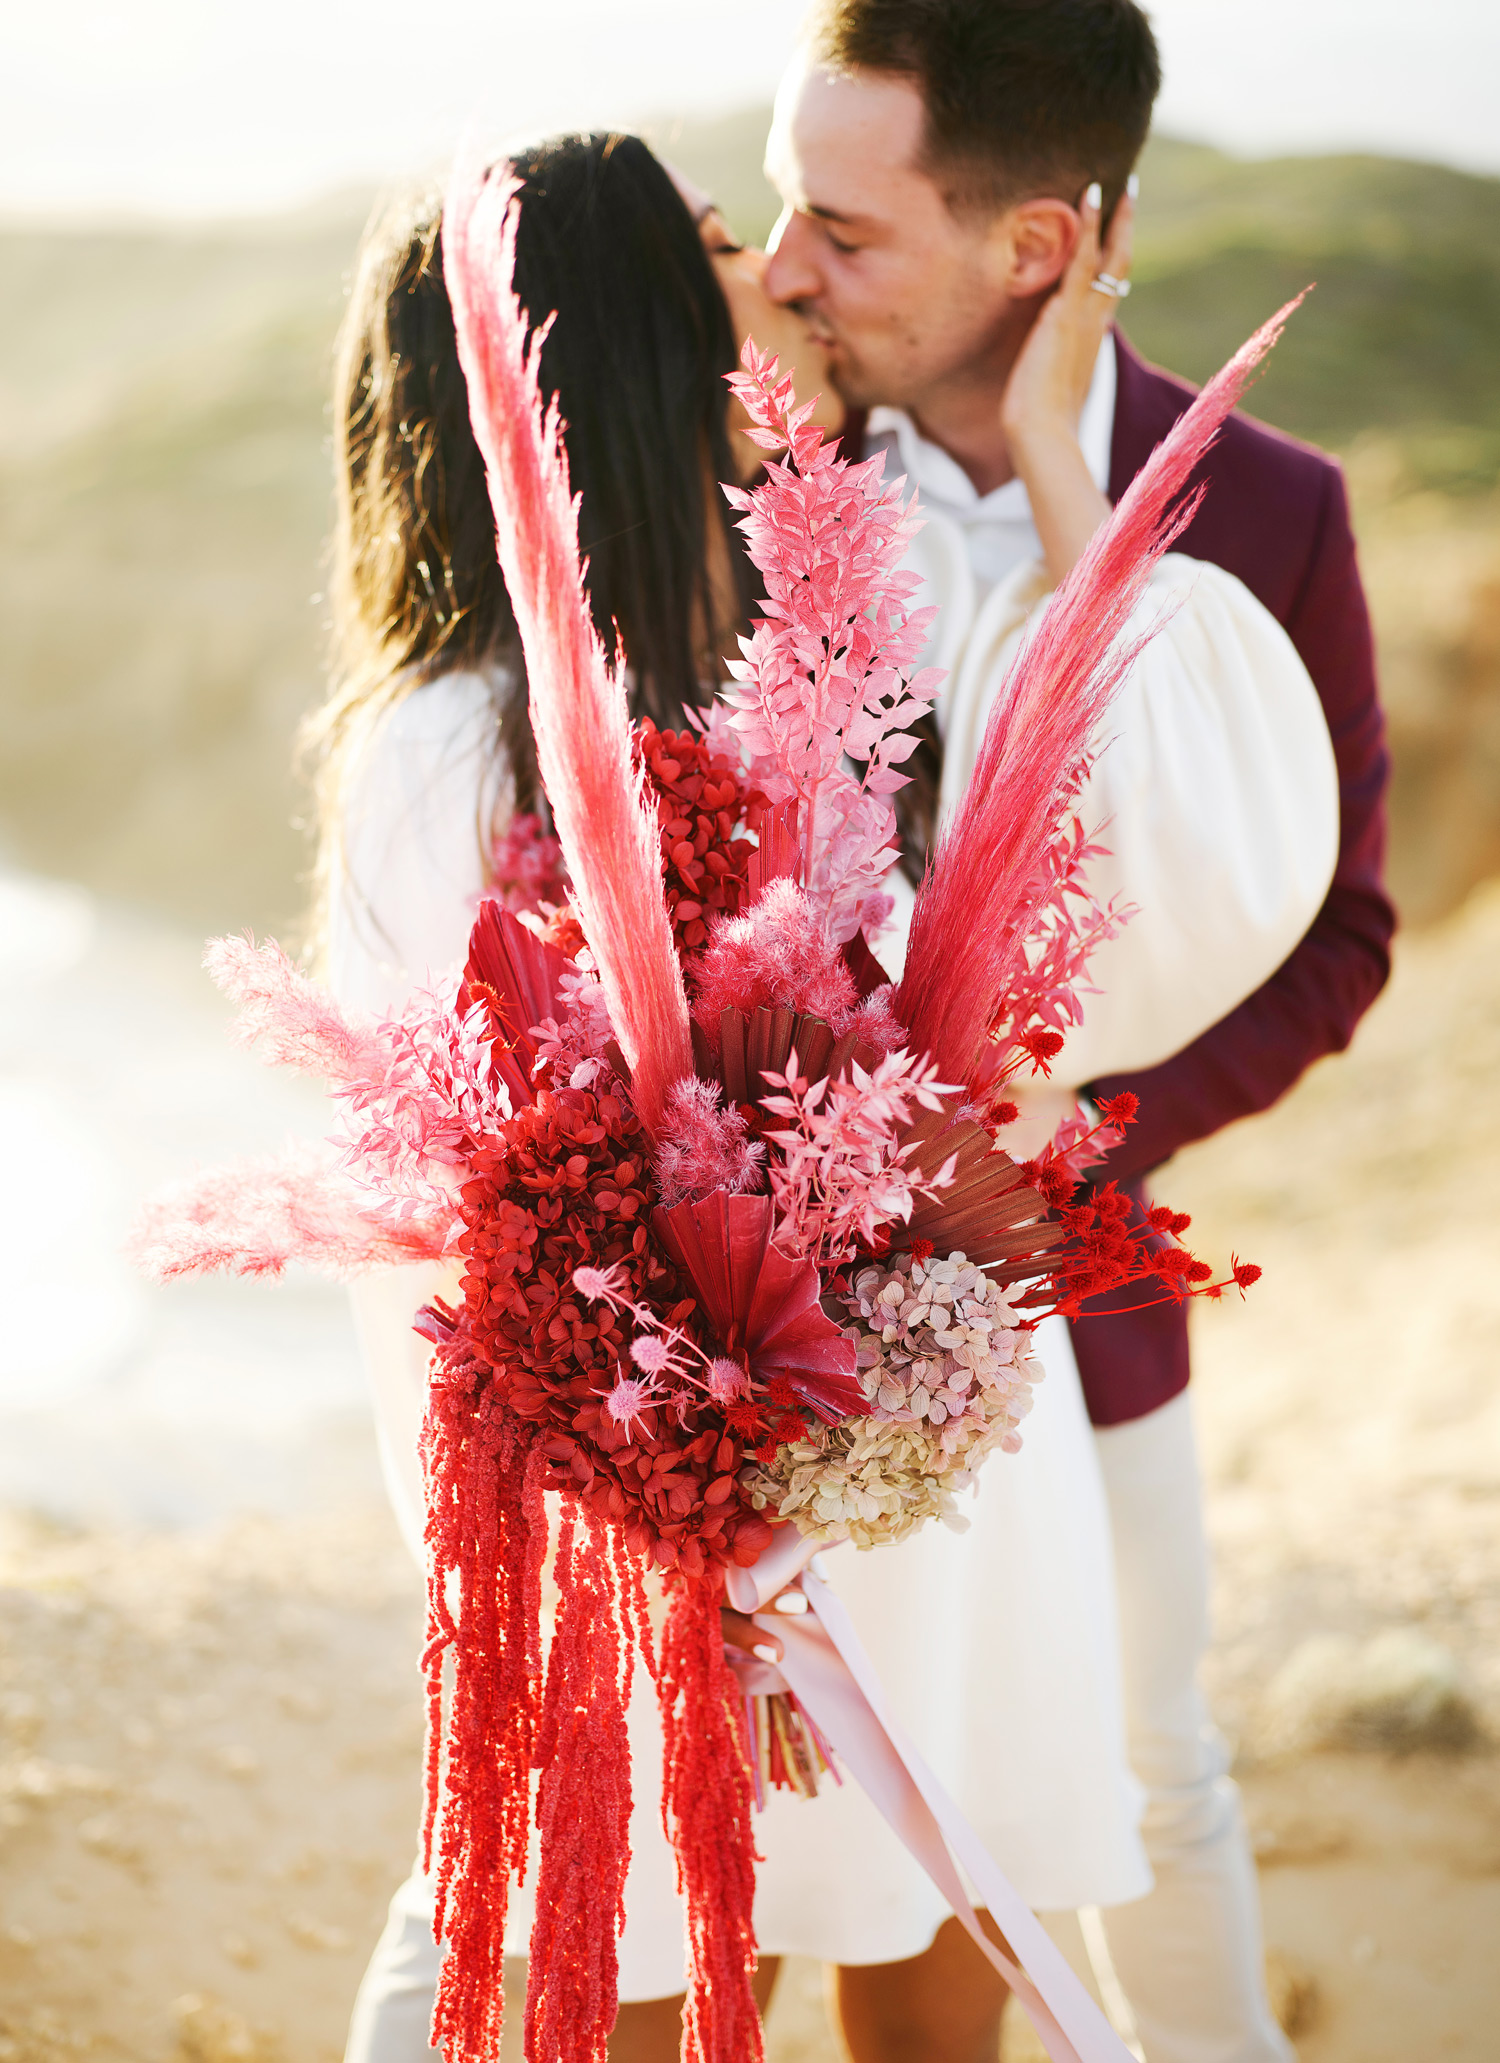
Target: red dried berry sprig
x=1106, y=1251
x=704, y=809
x=770, y=1420
x=564, y=1185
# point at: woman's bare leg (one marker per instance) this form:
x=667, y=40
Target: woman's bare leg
x=942, y=2006
x=650, y=2031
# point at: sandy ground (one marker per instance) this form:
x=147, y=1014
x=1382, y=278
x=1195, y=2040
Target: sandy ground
x=208, y=1741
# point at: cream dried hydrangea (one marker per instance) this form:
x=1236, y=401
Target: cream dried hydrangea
x=948, y=1370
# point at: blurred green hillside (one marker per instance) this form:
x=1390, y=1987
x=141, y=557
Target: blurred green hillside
x=1400, y=334
x=164, y=492
x=164, y=500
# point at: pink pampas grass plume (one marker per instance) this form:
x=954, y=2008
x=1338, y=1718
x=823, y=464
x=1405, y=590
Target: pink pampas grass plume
x=291, y=1021
x=253, y=1217
x=972, y=916
x=609, y=835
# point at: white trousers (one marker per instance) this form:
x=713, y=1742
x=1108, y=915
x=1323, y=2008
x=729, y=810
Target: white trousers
x=1188, y=1955
x=393, y=2007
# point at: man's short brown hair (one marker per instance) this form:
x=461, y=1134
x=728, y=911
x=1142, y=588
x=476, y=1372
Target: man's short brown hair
x=1023, y=97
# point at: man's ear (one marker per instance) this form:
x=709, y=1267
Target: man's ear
x=1041, y=236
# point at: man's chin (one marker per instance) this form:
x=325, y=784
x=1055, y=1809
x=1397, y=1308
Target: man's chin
x=851, y=385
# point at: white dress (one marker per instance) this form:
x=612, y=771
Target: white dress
x=998, y=1646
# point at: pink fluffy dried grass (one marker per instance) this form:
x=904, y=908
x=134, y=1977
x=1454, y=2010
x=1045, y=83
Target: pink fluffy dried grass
x=253, y=1217
x=609, y=835
x=289, y=1019
x=705, y=1147
x=778, y=953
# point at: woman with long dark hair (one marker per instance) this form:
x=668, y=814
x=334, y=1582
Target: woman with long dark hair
x=651, y=307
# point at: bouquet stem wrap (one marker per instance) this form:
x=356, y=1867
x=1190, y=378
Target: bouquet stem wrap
x=825, y=1667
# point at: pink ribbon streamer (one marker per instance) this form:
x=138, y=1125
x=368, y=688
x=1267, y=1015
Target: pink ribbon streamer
x=824, y=1664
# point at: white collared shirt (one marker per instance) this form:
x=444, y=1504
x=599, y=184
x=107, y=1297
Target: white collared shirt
x=998, y=529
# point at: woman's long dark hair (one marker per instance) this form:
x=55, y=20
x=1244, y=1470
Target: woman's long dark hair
x=636, y=357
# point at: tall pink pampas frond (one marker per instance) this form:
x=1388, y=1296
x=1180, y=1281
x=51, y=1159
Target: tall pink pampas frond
x=610, y=837
x=292, y=1021
x=972, y=914
x=253, y=1217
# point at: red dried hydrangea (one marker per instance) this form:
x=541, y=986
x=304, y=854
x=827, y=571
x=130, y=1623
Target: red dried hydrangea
x=563, y=1185
x=703, y=808
x=562, y=929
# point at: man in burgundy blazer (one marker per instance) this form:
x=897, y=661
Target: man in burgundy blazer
x=1276, y=516
x=937, y=161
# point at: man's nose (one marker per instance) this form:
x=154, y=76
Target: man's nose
x=791, y=275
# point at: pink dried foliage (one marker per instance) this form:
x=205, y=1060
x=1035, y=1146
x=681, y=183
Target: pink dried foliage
x=424, y=1108
x=715, y=726
x=777, y=953
x=830, y=670
x=608, y=832
x=1067, y=924
x=989, y=877
x=840, y=1176
x=1078, y=1145
x=291, y=1021
x=704, y=1147
x=254, y=1217
x=574, y=1041
x=415, y=1093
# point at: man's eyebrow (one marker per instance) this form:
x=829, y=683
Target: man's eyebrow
x=835, y=215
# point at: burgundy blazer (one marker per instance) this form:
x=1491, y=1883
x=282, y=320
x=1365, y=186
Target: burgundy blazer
x=1277, y=517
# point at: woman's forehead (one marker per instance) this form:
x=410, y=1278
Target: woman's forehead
x=697, y=202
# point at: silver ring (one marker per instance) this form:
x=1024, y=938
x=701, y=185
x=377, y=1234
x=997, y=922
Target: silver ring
x=1106, y=283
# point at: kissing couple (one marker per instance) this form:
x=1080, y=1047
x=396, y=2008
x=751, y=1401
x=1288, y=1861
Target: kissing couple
x=954, y=246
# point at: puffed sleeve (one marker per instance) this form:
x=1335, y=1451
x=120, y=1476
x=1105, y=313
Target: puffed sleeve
x=418, y=805
x=1214, y=790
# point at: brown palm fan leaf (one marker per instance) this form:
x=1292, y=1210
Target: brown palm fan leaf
x=989, y=1212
